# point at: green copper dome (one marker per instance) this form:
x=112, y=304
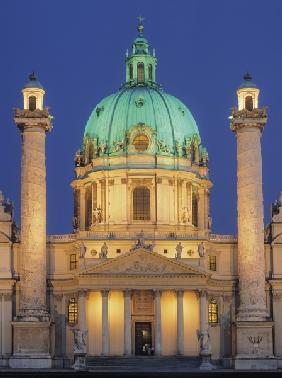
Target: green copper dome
x=141, y=118
x=168, y=118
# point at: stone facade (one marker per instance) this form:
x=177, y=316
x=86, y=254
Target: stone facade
x=141, y=273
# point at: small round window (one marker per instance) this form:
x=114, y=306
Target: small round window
x=141, y=142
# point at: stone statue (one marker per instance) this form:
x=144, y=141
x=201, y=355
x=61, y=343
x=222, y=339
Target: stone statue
x=201, y=249
x=82, y=250
x=140, y=243
x=185, y=215
x=104, y=251
x=205, y=342
x=178, y=249
x=79, y=349
x=97, y=215
x=79, y=345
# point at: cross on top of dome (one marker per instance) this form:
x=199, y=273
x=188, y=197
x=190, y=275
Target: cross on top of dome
x=140, y=26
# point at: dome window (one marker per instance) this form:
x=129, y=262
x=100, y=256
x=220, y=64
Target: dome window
x=141, y=204
x=141, y=142
x=32, y=103
x=140, y=73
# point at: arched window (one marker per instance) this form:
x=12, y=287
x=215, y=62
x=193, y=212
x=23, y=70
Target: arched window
x=249, y=103
x=140, y=73
x=88, y=207
x=141, y=142
x=32, y=103
x=150, y=72
x=141, y=203
x=130, y=71
x=213, y=311
x=72, y=311
x=194, y=210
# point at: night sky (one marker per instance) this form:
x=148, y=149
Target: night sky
x=203, y=47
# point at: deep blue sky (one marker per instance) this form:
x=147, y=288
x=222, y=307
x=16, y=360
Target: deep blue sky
x=78, y=48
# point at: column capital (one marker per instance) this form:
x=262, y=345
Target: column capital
x=105, y=292
x=157, y=292
x=179, y=292
x=127, y=292
x=83, y=293
x=201, y=293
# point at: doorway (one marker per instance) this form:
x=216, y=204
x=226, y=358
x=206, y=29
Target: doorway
x=143, y=338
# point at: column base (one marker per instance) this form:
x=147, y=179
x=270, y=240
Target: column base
x=31, y=345
x=254, y=346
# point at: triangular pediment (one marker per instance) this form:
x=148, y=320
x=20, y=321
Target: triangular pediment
x=143, y=262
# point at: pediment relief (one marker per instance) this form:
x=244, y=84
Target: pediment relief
x=145, y=263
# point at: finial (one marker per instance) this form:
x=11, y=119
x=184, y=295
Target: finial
x=32, y=76
x=140, y=26
x=247, y=76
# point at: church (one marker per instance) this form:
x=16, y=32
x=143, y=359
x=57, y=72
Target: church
x=141, y=275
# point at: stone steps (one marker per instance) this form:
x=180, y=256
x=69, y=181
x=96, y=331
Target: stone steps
x=142, y=363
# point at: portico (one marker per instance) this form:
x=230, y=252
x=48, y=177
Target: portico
x=142, y=289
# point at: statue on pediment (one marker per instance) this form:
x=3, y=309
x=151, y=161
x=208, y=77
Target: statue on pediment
x=104, y=251
x=140, y=243
x=178, y=249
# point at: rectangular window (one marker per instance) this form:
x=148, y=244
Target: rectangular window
x=213, y=311
x=118, y=250
x=212, y=263
x=72, y=311
x=165, y=250
x=73, y=261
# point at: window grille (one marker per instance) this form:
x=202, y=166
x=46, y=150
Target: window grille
x=141, y=203
x=72, y=311
x=212, y=263
x=73, y=261
x=213, y=311
x=140, y=73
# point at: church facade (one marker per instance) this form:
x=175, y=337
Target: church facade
x=141, y=274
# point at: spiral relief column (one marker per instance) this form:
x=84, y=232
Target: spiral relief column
x=32, y=325
x=252, y=324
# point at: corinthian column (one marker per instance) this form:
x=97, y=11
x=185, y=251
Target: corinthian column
x=248, y=125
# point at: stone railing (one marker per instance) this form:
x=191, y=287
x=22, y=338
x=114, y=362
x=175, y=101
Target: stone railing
x=244, y=113
x=223, y=238
x=65, y=238
x=37, y=113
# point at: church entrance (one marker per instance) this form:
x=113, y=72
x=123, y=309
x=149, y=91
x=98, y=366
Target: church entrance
x=143, y=338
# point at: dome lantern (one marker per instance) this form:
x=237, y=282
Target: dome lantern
x=248, y=94
x=140, y=64
x=33, y=93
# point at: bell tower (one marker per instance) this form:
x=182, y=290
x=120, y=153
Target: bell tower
x=253, y=325
x=31, y=328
